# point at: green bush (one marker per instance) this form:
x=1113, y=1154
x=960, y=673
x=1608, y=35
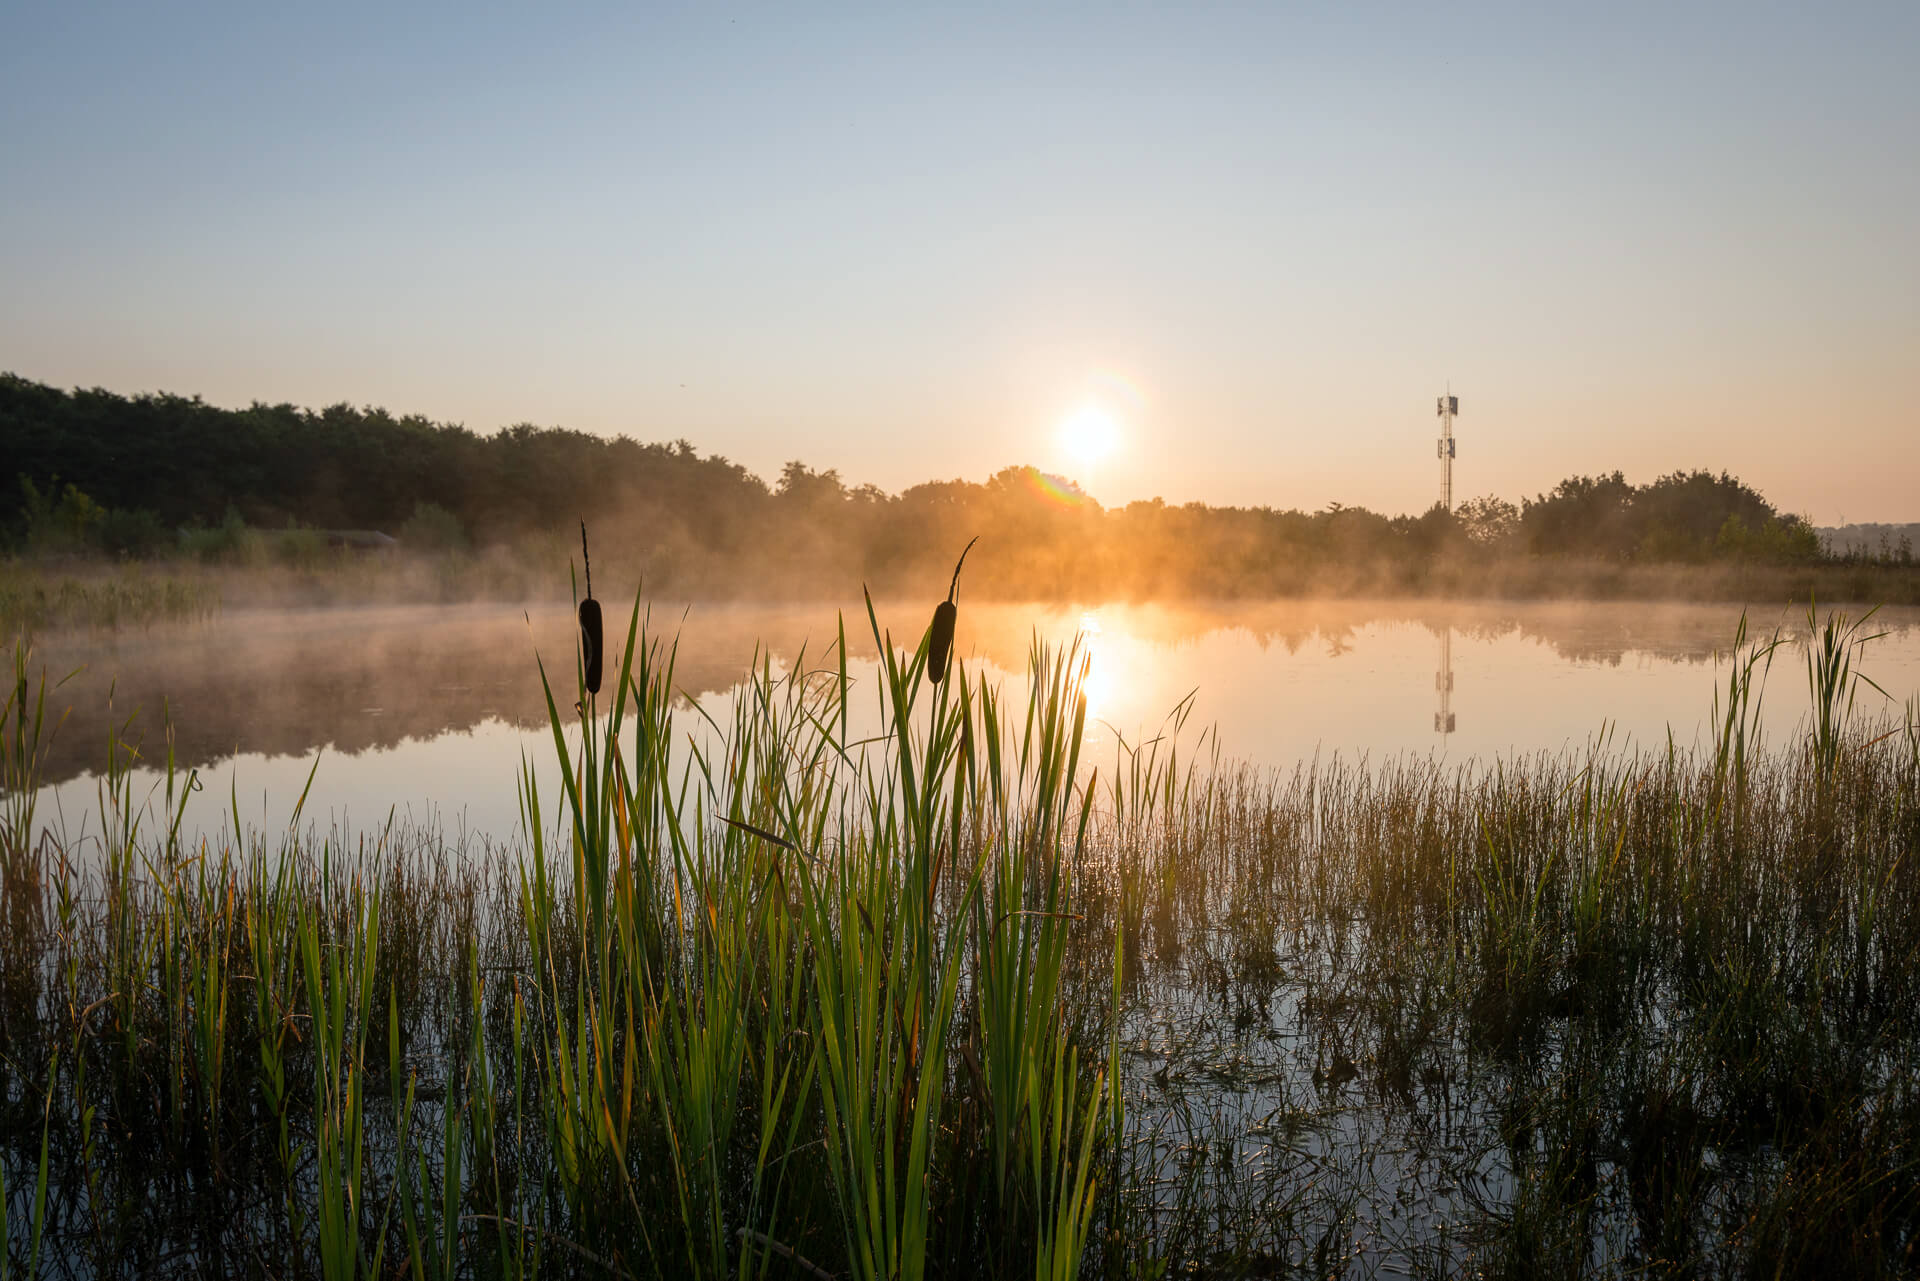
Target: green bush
x=135, y=532
x=228, y=542
x=296, y=548
x=432, y=528
x=1776, y=541
x=61, y=519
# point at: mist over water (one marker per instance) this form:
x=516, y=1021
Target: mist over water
x=427, y=712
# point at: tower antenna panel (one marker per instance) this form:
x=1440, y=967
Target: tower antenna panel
x=1448, y=406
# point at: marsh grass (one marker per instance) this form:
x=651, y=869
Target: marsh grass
x=33, y=600
x=956, y=999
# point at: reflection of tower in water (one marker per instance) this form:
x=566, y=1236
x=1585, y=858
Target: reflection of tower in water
x=1443, y=722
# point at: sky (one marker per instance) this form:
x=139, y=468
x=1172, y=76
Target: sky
x=910, y=243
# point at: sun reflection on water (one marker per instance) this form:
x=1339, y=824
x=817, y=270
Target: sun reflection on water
x=1097, y=684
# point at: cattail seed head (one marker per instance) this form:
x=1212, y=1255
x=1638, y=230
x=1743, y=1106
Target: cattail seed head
x=589, y=622
x=940, y=643
x=590, y=642
x=940, y=635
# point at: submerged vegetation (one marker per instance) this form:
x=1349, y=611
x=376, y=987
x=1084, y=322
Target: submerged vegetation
x=955, y=1000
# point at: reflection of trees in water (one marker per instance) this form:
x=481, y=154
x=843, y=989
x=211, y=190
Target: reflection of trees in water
x=1605, y=634
x=350, y=680
x=283, y=683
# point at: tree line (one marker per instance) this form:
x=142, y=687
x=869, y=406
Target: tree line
x=157, y=475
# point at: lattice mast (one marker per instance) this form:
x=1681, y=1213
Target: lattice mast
x=1449, y=406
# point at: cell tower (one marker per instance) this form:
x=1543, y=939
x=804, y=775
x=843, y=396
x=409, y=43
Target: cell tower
x=1444, y=722
x=1449, y=406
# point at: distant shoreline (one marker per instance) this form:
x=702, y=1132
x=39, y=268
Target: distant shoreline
x=88, y=592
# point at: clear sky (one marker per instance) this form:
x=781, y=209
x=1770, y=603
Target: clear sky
x=908, y=243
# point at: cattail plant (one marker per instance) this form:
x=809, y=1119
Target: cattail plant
x=911, y=1004
x=940, y=640
x=589, y=623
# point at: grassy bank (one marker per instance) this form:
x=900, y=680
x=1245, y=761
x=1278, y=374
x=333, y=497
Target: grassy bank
x=41, y=599
x=957, y=1001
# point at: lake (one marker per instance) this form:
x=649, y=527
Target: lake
x=427, y=712
x=1319, y=1030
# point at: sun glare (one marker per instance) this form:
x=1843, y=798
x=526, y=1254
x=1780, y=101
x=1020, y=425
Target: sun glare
x=1089, y=435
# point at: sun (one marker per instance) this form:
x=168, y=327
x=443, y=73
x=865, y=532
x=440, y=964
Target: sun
x=1089, y=435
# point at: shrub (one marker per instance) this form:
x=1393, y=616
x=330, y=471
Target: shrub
x=134, y=532
x=59, y=519
x=296, y=548
x=229, y=541
x=432, y=528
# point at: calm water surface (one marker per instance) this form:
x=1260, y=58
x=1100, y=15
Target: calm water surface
x=426, y=713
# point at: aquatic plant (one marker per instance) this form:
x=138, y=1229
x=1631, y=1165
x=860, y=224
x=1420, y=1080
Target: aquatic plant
x=945, y=615
x=591, y=640
x=948, y=1000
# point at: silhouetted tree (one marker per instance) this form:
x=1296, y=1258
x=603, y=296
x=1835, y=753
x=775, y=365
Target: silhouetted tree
x=130, y=475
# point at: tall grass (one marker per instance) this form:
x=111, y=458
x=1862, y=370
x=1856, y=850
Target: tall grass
x=35, y=601
x=953, y=999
